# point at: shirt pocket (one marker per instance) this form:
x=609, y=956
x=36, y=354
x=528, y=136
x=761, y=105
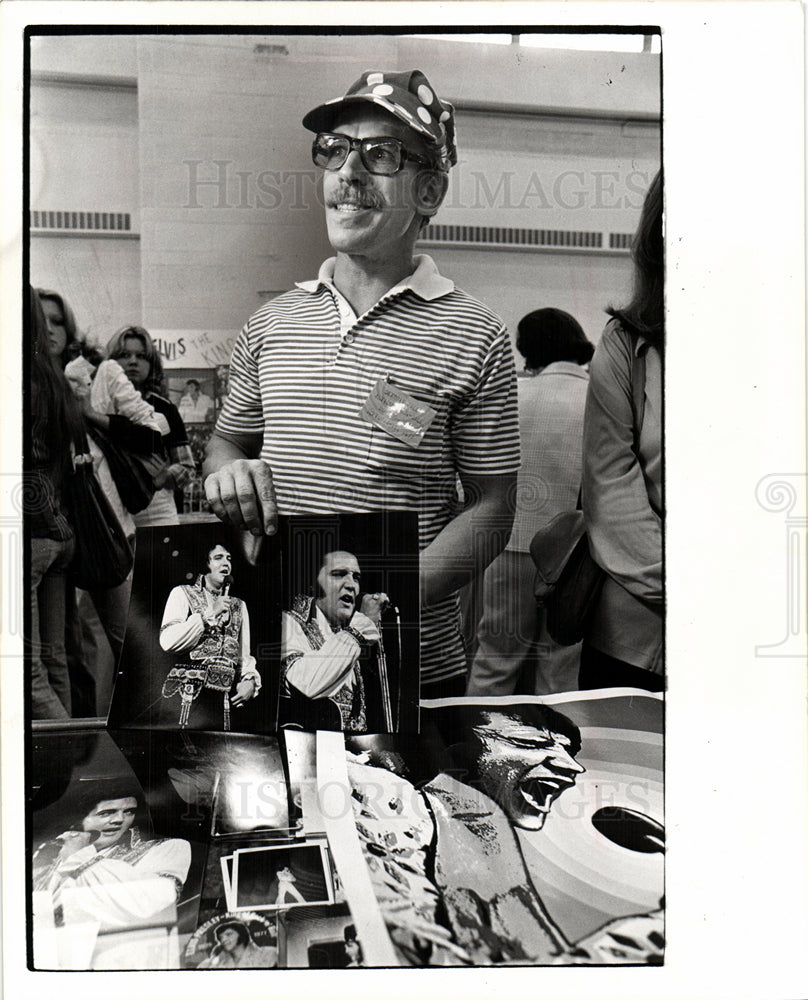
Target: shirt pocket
x=388, y=456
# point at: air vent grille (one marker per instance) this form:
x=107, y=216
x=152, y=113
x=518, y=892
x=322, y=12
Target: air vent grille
x=100, y=222
x=620, y=241
x=507, y=236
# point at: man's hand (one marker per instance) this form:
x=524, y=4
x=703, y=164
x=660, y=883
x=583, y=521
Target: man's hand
x=220, y=607
x=178, y=474
x=242, y=493
x=373, y=605
x=245, y=689
x=72, y=841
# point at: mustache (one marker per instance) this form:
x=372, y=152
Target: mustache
x=354, y=195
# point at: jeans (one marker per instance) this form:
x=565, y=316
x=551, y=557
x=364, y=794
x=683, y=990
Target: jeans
x=50, y=681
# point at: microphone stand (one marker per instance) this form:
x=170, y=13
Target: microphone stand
x=385, y=685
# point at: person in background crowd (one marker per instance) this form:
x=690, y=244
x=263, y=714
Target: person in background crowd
x=512, y=634
x=110, y=402
x=378, y=383
x=195, y=406
x=623, y=488
x=55, y=422
x=134, y=350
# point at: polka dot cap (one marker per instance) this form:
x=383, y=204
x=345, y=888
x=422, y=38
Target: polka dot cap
x=408, y=96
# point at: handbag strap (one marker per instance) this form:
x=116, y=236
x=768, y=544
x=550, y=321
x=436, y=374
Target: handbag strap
x=637, y=376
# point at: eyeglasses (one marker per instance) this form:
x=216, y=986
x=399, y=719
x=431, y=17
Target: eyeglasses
x=379, y=154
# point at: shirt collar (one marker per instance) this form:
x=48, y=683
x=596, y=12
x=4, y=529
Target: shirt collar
x=556, y=368
x=426, y=281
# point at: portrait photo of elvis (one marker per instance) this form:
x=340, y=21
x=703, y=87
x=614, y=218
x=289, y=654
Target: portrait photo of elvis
x=97, y=863
x=439, y=821
x=349, y=635
x=193, y=642
x=209, y=632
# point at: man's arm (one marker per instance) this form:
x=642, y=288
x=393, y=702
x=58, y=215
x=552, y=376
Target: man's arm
x=238, y=484
x=472, y=540
x=321, y=672
x=179, y=630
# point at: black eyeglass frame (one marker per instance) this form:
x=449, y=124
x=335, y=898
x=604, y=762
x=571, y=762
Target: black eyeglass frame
x=361, y=146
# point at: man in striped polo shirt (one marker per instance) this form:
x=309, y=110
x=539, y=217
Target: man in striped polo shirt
x=379, y=385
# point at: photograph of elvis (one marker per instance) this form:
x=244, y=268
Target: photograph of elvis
x=235, y=947
x=349, y=634
x=105, y=892
x=199, y=642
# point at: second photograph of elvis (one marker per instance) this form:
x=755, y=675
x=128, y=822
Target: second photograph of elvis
x=202, y=634
x=350, y=623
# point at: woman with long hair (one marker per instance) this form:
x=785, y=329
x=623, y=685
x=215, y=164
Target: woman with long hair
x=55, y=426
x=135, y=351
x=109, y=403
x=622, y=478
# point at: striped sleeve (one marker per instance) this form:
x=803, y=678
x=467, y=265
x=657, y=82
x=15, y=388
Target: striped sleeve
x=485, y=432
x=242, y=412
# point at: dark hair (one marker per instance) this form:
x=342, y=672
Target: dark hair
x=535, y=715
x=216, y=545
x=155, y=378
x=56, y=420
x=193, y=381
x=349, y=933
x=241, y=929
x=548, y=335
x=90, y=793
x=76, y=343
x=645, y=312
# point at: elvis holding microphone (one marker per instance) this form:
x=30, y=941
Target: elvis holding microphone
x=333, y=668
x=210, y=632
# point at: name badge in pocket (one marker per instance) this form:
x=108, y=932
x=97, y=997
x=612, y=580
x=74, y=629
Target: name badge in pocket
x=397, y=413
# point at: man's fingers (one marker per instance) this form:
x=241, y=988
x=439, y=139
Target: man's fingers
x=243, y=494
x=265, y=489
x=218, y=486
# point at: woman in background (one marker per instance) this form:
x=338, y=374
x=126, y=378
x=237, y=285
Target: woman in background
x=109, y=402
x=55, y=425
x=623, y=488
x=134, y=350
x=512, y=635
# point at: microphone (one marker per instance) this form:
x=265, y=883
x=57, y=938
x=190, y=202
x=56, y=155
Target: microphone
x=226, y=585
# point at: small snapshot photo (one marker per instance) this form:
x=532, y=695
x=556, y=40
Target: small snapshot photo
x=279, y=877
x=350, y=625
x=202, y=636
x=193, y=390
x=234, y=941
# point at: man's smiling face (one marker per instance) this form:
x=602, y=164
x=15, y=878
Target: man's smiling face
x=369, y=214
x=523, y=768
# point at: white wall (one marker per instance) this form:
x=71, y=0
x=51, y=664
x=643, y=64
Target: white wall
x=227, y=109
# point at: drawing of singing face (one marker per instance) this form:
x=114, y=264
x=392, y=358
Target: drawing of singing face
x=524, y=768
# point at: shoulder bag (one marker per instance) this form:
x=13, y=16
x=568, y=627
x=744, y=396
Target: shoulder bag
x=136, y=476
x=102, y=556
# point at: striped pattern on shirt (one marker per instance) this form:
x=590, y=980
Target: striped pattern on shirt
x=295, y=379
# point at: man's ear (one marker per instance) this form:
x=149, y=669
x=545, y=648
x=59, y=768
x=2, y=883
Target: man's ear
x=430, y=189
